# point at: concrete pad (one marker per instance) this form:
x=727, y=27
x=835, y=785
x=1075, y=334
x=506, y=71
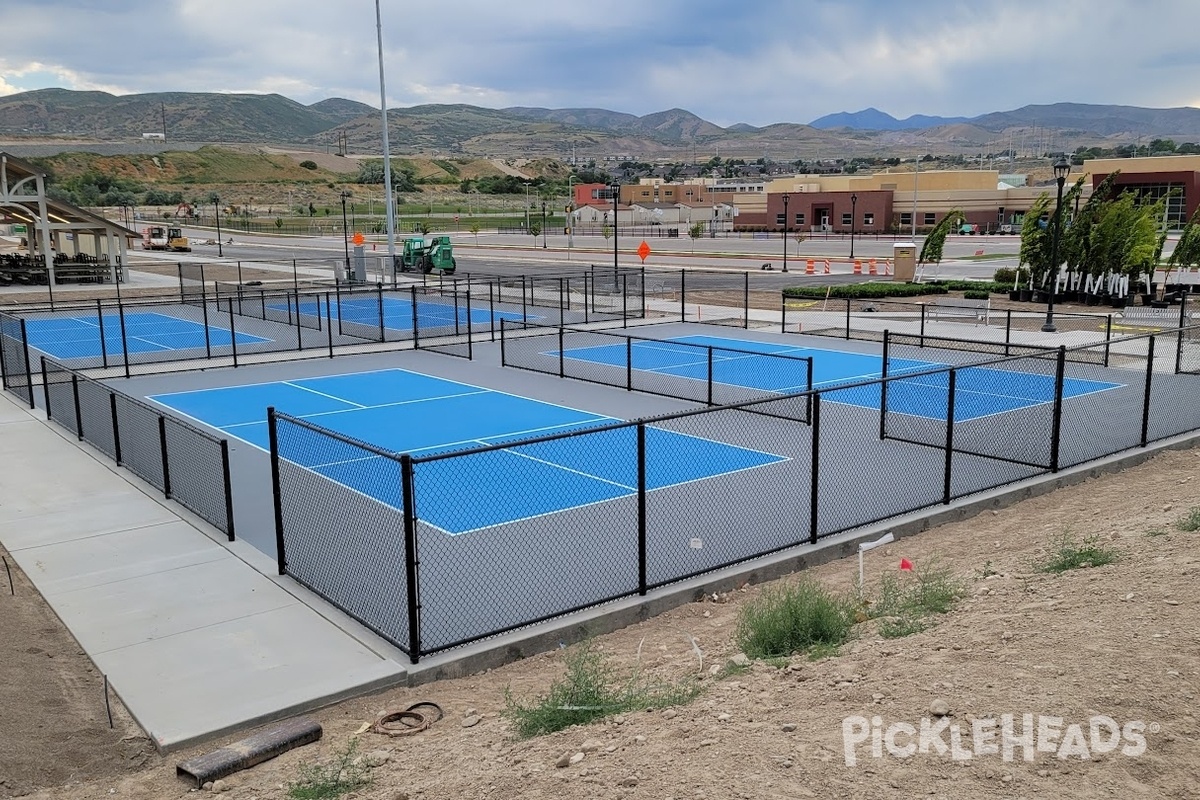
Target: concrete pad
x=162, y=604
x=51, y=518
x=240, y=672
x=69, y=566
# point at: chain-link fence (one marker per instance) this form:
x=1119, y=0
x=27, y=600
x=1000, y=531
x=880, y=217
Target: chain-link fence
x=15, y=369
x=187, y=464
x=945, y=324
x=698, y=372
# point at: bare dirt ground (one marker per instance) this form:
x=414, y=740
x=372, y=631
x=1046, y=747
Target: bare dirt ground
x=1118, y=641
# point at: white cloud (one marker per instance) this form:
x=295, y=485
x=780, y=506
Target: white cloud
x=762, y=62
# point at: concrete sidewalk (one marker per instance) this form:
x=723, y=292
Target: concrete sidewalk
x=194, y=639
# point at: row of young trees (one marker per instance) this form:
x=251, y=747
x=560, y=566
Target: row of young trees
x=1113, y=234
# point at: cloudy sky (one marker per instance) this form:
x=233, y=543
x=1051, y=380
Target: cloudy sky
x=755, y=61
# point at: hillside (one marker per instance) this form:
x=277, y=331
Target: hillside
x=438, y=131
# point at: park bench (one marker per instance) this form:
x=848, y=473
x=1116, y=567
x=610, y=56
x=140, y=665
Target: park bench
x=1158, y=317
x=959, y=307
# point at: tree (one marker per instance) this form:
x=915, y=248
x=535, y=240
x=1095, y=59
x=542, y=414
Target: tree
x=1187, y=251
x=535, y=228
x=694, y=233
x=935, y=240
x=1035, y=241
x=474, y=228
x=1124, y=239
x=1076, y=237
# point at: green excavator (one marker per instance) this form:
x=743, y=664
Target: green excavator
x=420, y=255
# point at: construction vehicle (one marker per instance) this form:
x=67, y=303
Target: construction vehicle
x=421, y=256
x=160, y=237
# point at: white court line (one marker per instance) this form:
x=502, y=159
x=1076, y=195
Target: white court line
x=360, y=408
x=323, y=394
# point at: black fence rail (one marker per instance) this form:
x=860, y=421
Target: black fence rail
x=871, y=450
x=185, y=463
x=701, y=373
x=948, y=324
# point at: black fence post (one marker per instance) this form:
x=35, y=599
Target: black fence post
x=410, y=558
x=276, y=490
x=166, y=461
x=815, y=469
x=492, y=309
x=45, y=388
x=28, y=369
x=337, y=291
x=1008, y=329
x=783, y=312
x=100, y=323
x=204, y=317
x=643, y=291
x=641, y=489
x=524, y=307
x=1056, y=431
x=586, y=310
x=454, y=297
x=233, y=336
x=746, y=300
x=78, y=410
x=629, y=364
x=947, y=489
x=562, y=353
x=328, y=321
x=1107, y=337
x=562, y=318
x=382, y=328
x=921, y=337
x=415, y=317
x=503, y=354
x=1146, y=392
x=883, y=386
x=116, y=427
x=710, y=374
x=227, y=480
x=124, y=337
x=470, y=323
x=1183, y=302
x=848, y=318
x=299, y=329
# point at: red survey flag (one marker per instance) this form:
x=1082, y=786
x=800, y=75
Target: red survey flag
x=905, y=565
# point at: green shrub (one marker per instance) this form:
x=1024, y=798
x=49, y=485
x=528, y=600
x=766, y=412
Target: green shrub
x=976, y=295
x=865, y=291
x=803, y=617
x=1070, y=554
x=344, y=773
x=906, y=604
x=1190, y=521
x=592, y=689
x=307, y=164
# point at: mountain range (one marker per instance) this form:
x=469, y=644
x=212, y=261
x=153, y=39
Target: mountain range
x=464, y=130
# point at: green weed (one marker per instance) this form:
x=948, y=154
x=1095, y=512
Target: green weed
x=905, y=605
x=591, y=689
x=341, y=774
x=1190, y=521
x=1067, y=554
x=797, y=618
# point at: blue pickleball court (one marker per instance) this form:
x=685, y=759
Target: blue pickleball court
x=979, y=391
x=397, y=312
x=408, y=412
x=93, y=336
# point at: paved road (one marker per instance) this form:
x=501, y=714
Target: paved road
x=496, y=254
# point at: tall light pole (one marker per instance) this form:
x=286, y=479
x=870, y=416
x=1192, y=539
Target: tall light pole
x=543, y=224
x=387, y=155
x=1062, y=168
x=345, y=238
x=616, y=196
x=786, y=198
x=217, y=212
x=527, y=205
x=853, y=217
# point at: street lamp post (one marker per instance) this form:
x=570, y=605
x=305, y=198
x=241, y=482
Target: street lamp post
x=345, y=240
x=1061, y=169
x=543, y=224
x=570, y=215
x=217, y=213
x=853, y=217
x=786, y=198
x=616, y=196
x=526, y=205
